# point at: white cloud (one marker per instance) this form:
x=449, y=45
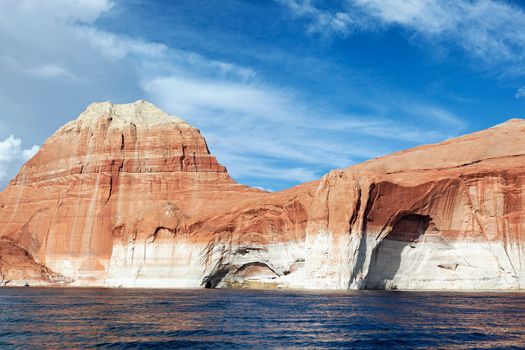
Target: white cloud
x=489, y=30
x=57, y=39
x=256, y=131
x=483, y=28
x=427, y=16
x=12, y=155
x=117, y=47
x=207, y=67
x=193, y=94
x=521, y=92
x=324, y=22
x=433, y=112
x=263, y=189
x=86, y=11
x=61, y=61
x=260, y=131
x=9, y=149
x=50, y=71
x=385, y=129
x=30, y=152
x=246, y=167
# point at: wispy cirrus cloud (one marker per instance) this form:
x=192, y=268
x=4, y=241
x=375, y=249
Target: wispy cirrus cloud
x=117, y=47
x=266, y=133
x=49, y=71
x=322, y=21
x=521, y=92
x=261, y=131
x=490, y=31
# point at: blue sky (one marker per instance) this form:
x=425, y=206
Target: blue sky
x=283, y=91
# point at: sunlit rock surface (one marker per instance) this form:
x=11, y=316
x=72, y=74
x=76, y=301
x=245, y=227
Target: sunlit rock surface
x=128, y=196
x=18, y=268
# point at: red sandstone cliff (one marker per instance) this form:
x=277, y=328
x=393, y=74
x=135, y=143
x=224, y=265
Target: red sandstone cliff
x=128, y=196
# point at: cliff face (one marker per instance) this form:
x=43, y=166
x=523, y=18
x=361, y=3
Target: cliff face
x=118, y=172
x=128, y=196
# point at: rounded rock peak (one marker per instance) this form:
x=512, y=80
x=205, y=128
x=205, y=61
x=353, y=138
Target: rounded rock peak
x=141, y=113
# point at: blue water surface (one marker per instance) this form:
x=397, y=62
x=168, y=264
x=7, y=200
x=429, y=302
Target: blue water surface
x=46, y=318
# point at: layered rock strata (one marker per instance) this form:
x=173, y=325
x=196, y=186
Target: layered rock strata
x=129, y=196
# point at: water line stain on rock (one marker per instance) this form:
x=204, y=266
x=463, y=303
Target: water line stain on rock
x=127, y=195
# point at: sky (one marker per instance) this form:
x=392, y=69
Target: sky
x=283, y=90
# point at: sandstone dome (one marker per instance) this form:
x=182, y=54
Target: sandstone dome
x=129, y=196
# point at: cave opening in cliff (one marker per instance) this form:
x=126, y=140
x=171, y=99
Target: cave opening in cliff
x=387, y=257
x=212, y=280
x=246, y=276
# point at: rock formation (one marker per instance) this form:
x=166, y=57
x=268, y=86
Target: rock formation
x=129, y=196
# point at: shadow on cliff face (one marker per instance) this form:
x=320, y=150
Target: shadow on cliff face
x=386, y=257
x=213, y=279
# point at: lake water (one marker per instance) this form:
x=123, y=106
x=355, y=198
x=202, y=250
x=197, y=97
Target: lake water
x=131, y=318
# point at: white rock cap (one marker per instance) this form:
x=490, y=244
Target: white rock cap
x=141, y=113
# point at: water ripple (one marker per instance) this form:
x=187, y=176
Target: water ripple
x=47, y=318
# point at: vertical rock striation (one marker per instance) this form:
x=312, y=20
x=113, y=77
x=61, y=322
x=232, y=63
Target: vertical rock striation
x=126, y=195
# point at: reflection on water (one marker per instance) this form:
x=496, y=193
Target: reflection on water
x=119, y=318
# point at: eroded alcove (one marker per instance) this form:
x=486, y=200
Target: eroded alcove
x=387, y=257
x=253, y=274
